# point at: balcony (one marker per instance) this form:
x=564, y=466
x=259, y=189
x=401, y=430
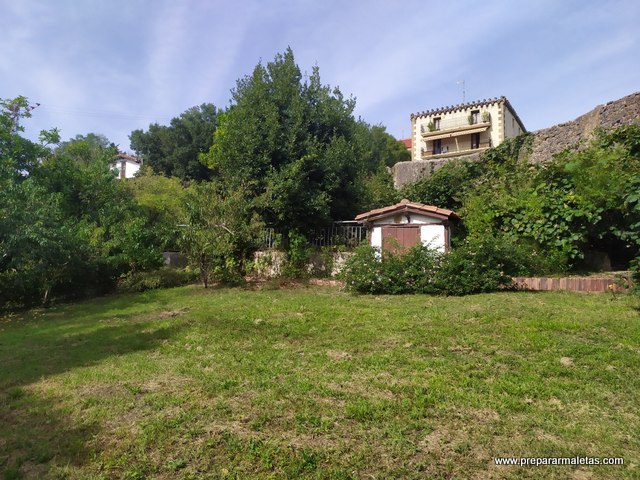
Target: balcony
x=454, y=129
x=446, y=152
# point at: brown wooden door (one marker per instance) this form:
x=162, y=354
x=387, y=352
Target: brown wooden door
x=400, y=238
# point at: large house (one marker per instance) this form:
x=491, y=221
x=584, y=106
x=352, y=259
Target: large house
x=463, y=129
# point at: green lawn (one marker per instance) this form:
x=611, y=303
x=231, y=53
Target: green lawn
x=316, y=383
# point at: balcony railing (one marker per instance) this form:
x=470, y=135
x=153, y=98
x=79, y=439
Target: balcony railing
x=453, y=125
x=452, y=152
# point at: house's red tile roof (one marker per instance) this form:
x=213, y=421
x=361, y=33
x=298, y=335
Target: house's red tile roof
x=405, y=206
x=125, y=156
x=407, y=143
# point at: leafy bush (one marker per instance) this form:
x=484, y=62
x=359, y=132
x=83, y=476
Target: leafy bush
x=483, y=266
x=161, y=278
x=635, y=274
x=413, y=272
x=474, y=267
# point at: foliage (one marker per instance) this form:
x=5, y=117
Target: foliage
x=413, y=272
x=290, y=144
x=298, y=255
x=163, y=201
x=583, y=200
x=486, y=265
x=220, y=234
x=150, y=280
x=379, y=147
x=174, y=150
x=68, y=228
x=379, y=190
x=474, y=267
x=447, y=186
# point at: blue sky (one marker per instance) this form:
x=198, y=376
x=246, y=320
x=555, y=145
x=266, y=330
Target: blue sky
x=113, y=66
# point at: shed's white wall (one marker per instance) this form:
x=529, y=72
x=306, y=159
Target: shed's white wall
x=376, y=237
x=130, y=168
x=433, y=236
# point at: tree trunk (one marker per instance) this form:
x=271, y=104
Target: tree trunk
x=45, y=298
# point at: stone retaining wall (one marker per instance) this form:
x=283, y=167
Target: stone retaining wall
x=549, y=141
x=270, y=263
x=406, y=173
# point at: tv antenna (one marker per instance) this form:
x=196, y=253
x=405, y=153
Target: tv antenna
x=464, y=93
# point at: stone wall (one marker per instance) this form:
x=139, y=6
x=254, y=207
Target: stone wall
x=550, y=141
x=270, y=263
x=406, y=173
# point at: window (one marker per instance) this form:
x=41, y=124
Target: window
x=473, y=117
x=436, y=123
x=475, y=140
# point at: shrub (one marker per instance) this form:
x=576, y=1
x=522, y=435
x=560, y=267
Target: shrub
x=635, y=274
x=413, y=272
x=161, y=278
x=475, y=267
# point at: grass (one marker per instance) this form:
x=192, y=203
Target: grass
x=311, y=382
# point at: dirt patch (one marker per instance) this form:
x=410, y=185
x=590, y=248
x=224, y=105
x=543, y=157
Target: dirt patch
x=567, y=361
x=31, y=470
x=338, y=355
x=581, y=474
x=171, y=313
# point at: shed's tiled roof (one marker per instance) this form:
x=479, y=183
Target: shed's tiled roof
x=405, y=206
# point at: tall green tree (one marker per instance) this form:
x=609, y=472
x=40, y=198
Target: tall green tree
x=174, y=149
x=290, y=143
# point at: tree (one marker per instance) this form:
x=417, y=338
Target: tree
x=67, y=226
x=220, y=233
x=163, y=201
x=290, y=143
x=174, y=150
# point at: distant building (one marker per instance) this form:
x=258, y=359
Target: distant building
x=407, y=143
x=463, y=129
x=126, y=165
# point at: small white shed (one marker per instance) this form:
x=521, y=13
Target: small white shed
x=401, y=226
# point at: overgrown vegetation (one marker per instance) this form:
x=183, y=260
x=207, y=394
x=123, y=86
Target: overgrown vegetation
x=67, y=228
x=316, y=383
x=583, y=203
x=287, y=153
x=477, y=266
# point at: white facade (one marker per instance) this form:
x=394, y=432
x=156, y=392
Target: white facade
x=432, y=231
x=126, y=166
x=463, y=129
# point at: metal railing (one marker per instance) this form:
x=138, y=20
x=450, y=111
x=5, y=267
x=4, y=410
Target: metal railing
x=346, y=234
